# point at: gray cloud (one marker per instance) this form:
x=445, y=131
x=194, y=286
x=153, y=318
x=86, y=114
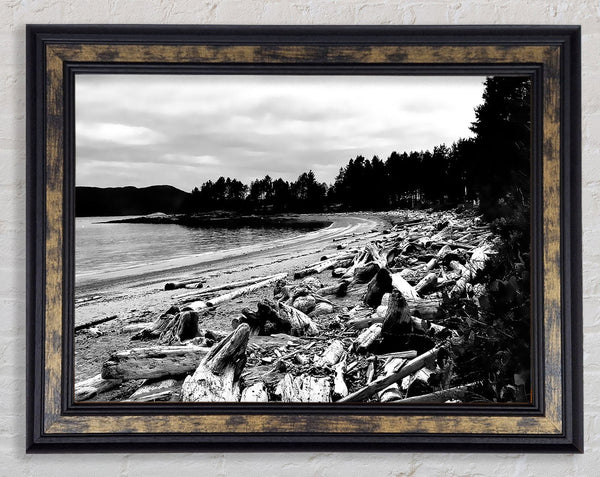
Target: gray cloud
x=183, y=130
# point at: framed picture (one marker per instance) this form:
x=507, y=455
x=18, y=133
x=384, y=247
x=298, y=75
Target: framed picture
x=282, y=238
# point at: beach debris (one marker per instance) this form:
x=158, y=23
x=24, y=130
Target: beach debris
x=380, y=327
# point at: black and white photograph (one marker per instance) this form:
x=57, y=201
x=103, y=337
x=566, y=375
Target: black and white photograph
x=302, y=239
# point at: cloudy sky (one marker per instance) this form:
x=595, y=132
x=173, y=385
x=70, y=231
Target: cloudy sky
x=143, y=130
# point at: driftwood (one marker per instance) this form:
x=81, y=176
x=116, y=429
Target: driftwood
x=339, y=290
x=404, y=287
x=158, y=326
x=340, y=389
x=153, y=362
x=195, y=283
x=377, y=287
x=95, y=322
x=164, y=390
x=367, y=338
x=304, y=388
x=183, y=326
x=383, y=382
x=318, y=268
x=457, y=393
x=228, y=286
x=332, y=355
x=273, y=317
x=426, y=282
x=239, y=292
x=217, y=376
x=89, y=388
x=392, y=392
x=255, y=393
x=397, y=320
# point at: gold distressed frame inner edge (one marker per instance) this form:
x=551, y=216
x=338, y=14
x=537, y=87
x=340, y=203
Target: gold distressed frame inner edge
x=54, y=423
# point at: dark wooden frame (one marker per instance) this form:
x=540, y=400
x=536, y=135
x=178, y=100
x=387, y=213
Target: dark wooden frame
x=549, y=54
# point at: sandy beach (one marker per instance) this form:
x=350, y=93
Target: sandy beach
x=136, y=294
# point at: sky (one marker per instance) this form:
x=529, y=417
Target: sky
x=183, y=130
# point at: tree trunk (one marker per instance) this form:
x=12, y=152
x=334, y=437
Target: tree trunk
x=217, y=376
x=153, y=362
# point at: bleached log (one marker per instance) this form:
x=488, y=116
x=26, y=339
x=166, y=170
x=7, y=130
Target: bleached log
x=404, y=287
x=409, y=368
x=340, y=389
x=255, y=393
x=155, y=391
x=392, y=392
x=427, y=281
x=365, y=340
x=242, y=291
x=89, y=388
x=318, y=268
x=227, y=286
x=217, y=376
x=332, y=354
x=300, y=324
x=304, y=388
x=153, y=362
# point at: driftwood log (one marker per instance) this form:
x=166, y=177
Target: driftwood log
x=379, y=384
x=217, y=376
x=89, y=388
x=304, y=388
x=152, y=390
x=153, y=362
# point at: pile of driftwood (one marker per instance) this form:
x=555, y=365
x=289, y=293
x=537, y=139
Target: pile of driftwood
x=362, y=324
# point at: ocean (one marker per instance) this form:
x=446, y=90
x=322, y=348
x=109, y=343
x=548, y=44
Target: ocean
x=110, y=247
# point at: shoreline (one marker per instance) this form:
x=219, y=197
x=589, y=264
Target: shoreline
x=217, y=267
x=138, y=295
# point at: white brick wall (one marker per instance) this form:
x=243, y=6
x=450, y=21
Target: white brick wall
x=15, y=14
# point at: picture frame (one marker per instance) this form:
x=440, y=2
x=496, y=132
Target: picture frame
x=550, y=55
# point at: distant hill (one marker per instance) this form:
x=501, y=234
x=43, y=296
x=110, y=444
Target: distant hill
x=96, y=201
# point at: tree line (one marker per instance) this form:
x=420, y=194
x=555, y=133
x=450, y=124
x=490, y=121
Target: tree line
x=491, y=169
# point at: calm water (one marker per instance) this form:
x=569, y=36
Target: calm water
x=100, y=246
